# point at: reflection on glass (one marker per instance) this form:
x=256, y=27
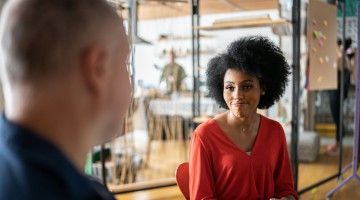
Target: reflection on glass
x=316, y=161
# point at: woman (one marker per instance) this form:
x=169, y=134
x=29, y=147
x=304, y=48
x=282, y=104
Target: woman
x=240, y=154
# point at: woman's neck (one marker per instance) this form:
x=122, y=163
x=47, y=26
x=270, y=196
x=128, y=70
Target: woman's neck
x=242, y=123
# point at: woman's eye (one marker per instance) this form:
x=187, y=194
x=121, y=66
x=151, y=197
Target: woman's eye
x=231, y=88
x=247, y=87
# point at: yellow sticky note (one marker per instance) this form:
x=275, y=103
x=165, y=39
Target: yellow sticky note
x=319, y=79
x=327, y=59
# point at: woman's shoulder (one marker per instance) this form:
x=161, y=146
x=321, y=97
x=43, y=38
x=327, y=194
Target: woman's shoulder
x=272, y=130
x=210, y=124
x=205, y=127
x=270, y=123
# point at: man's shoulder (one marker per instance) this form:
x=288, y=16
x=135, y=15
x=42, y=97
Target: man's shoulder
x=172, y=65
x=178, y=66
x=32, y=168
x=10, y=185
x=23, y=178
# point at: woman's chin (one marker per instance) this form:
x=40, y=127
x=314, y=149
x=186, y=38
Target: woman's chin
x=239, y=115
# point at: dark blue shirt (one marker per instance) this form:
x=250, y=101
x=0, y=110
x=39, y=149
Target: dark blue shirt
x=33, y=168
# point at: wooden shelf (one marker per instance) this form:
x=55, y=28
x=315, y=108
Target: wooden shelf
x=248, y=23
x=176, y=38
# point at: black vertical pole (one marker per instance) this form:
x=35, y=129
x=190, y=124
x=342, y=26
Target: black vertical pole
x=195, y=56
x=103, y=168
x=341, y=110
x=198, y=56
x=296, y=24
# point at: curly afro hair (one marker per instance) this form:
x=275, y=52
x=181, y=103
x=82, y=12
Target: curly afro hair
x=256, y=56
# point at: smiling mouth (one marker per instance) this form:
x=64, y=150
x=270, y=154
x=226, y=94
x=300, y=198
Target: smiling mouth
x=238, y=104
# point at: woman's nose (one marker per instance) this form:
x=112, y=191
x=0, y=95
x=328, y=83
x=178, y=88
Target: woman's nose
x=238, y=93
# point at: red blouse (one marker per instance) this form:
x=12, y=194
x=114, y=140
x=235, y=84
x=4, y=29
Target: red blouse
x=221, y=170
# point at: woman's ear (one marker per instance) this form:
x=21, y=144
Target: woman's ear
x=263, y=89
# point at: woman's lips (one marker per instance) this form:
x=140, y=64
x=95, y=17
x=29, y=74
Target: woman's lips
x=238, y=104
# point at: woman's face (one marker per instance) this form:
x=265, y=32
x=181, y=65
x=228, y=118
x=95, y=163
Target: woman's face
x=241, y=93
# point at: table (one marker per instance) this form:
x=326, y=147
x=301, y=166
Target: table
x=182, y=107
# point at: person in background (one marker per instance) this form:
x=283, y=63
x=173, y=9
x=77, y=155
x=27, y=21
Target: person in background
x=66, y=89
x=173, y=74
x=240, y=154
x=334, y=95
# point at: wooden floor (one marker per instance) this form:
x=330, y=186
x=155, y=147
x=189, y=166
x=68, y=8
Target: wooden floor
x=325, y=166
x=163, y=160
x=168, y=155
x=348, y=192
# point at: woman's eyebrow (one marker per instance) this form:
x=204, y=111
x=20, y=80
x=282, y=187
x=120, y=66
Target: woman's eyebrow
x=242, y=82
x=247, y=81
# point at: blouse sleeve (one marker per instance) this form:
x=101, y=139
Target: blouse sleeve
x=284, y=184
x=201, y=181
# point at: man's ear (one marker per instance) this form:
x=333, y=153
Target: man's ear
x=93, y=63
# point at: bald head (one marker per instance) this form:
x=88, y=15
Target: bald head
x=41, y=39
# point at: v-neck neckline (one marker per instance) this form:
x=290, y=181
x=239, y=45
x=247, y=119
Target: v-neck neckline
x=227, y=138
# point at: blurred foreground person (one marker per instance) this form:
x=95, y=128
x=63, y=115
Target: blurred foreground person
x=66, y=89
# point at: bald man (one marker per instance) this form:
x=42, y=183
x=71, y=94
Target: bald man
x=66, y=89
